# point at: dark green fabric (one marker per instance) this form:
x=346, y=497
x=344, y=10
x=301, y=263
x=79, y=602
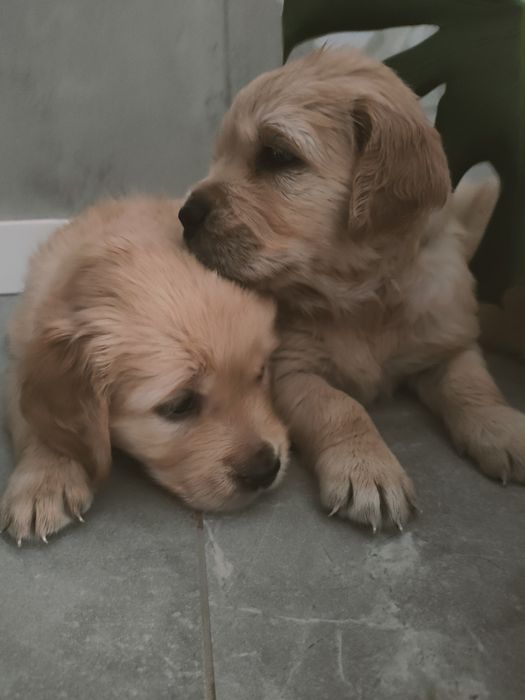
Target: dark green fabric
x=479, y=53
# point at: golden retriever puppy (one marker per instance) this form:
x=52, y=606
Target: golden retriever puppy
x=122, y=338
x=330, y=191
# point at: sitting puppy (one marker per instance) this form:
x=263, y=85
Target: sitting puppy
x=122, y=337
x=330, y=191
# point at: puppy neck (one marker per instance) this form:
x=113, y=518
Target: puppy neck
x=363, y=282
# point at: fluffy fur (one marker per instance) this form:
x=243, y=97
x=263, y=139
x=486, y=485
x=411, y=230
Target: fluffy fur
x=330, y=192
x=116, y=327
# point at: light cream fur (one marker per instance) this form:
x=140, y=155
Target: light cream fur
x=358, y=237
x=502, y=326
x=116, y=320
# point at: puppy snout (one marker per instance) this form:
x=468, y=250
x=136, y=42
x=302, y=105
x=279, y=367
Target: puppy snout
x=260, y=470
x=194, y=213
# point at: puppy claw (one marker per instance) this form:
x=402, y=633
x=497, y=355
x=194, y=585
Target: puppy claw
x=495, y=438
x=19, y=543
x=80, y=518
x=364, y=493
x=42, y=506
x=399, y=527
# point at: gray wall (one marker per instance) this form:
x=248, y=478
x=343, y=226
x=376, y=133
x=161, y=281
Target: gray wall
x=106, y=96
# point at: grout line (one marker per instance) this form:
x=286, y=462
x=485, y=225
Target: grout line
x=226, y=49
x=207, y=644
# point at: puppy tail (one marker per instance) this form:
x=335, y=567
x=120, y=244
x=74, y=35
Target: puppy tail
x=472, y=206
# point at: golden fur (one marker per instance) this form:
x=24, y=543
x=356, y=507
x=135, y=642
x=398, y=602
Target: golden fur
x=116, y=321
x=330, y=192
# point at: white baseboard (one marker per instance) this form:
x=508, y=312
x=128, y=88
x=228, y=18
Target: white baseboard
x=18, y=240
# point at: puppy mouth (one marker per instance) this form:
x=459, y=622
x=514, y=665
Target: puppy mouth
x=231, y=253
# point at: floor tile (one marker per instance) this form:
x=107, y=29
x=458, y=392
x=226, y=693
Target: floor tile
x=108, y=609
x=306, y=607
x=302, y=606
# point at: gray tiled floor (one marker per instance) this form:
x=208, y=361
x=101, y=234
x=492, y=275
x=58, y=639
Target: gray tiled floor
x=302, y=607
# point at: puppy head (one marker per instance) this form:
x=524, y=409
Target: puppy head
x=147, y=350
x=314, y=160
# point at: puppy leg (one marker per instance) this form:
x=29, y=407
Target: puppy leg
x=46, y=490
x=44, y=493
x=359, y=477
x=482, y=425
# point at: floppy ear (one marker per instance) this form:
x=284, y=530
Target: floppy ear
x=63, y=400
x=401, y=168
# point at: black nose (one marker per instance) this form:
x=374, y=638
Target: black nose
x=260, y=470
x=194, y=212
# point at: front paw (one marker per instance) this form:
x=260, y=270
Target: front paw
x=42, y=497
x=366, y=484
x=494, y=437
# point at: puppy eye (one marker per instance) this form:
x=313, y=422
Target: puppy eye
x=180, y=407
x=273, y=159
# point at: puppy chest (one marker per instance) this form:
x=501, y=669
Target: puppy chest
x=364, y=365
x=368, y=365
x=358, y=363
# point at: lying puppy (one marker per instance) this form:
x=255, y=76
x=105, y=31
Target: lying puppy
x=330, y=191
x=122, y=337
